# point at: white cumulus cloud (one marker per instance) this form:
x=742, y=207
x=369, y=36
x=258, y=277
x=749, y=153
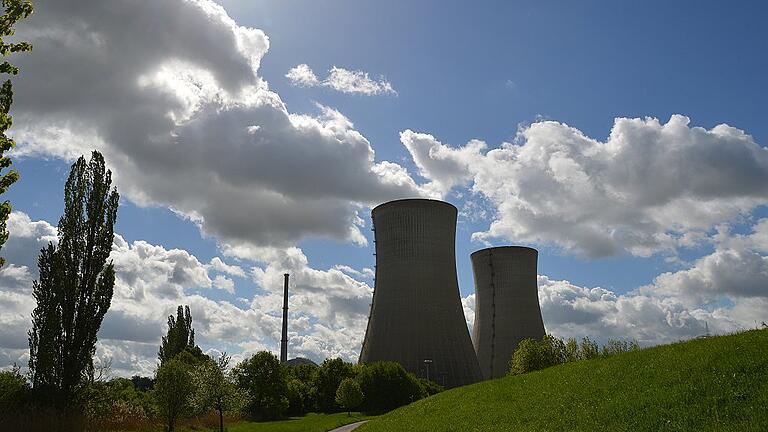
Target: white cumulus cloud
x=650, y=187
x=169, y=92
x=328, y=309
x=341, y=80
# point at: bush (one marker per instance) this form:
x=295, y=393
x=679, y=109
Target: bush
x=571, y=350
x=114, y=400
x=615, y=346
x=262, y=378
x=532, y=355
x=327, y=378
x=14, y=391
x=386, y=386
x=430, y=387
x=588, y=349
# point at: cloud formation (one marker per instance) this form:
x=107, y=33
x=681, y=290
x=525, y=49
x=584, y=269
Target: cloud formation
x=170, y=93
x=341, y=80
x=650, y=187
x=328, y=308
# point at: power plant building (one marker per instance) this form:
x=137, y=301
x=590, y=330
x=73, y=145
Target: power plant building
x=416, y=315
x=506, y=305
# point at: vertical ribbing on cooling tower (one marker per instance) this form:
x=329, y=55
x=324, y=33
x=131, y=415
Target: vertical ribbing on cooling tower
x=506, y=305
x=416, y=313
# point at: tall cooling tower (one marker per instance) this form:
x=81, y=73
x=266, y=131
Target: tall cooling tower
x=506, y=305
x=416, y=317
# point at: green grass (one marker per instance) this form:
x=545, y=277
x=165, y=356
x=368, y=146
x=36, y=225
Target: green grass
x=715, y=384
x=308, y=423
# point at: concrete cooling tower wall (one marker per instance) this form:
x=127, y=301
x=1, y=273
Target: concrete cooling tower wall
x=416, y=316
x=506, y=305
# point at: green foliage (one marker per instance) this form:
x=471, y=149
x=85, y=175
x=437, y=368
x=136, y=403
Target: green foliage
x=116, y=401
x=142, y=383
x=214, y=389
x=712, y=384
x=387, y=385
x=173, y=392
x=327, y=378
x=571, y=350
x=532, y=355
x=180, y=336
x=303, y=372
x=14, y=391
x=588, y=349
x=430, y=387
x=349, y=395
x=300, y=396
x=301, y=393
x=75, y=286
x=13, y=11
x=262, y=378
x=614, y=346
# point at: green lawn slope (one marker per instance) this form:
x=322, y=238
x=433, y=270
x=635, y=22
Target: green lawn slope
x=714, y=384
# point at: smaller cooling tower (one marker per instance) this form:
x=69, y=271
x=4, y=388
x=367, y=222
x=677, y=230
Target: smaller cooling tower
x=506, y=305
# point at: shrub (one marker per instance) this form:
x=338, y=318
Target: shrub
x=588, y=349
x=532, y=355
x=615, y=346
x=571, y=350
x=430, y=387
x=386, y=386
x=14, y=391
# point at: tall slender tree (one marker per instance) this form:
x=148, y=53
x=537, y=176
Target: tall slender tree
x=180, y=337
x=76, y=282
x=13, y=11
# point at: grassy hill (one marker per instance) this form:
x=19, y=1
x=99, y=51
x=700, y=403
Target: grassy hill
x=714, y=384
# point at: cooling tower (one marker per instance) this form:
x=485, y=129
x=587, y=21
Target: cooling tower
x=506, y=305
x=416, y=317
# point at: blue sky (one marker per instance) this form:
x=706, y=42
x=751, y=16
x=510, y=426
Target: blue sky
x=499, y=72
x=478, y=72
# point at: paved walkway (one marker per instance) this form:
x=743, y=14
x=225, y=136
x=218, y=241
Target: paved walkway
x=348, y=427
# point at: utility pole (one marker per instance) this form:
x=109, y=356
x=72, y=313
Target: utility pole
x=284, y=340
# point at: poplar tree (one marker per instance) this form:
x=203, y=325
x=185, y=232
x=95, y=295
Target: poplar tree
x=75, y=287
x=180, y=336
x=13, y=11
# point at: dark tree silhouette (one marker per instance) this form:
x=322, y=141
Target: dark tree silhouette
x=75, y=286
x=14, y=10
x=180, y=337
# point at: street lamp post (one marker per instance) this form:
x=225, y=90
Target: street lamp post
x=427, y=362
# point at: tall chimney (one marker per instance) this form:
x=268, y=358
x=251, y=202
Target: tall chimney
x=284, y=340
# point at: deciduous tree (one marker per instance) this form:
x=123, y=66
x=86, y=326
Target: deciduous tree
x=215, y=389
x=349, y=395
x=14, y=10
x=74, y=290
x=173, y=392
x=263, y=378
